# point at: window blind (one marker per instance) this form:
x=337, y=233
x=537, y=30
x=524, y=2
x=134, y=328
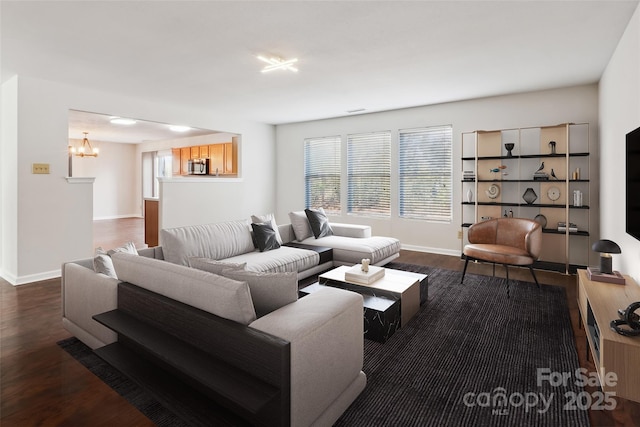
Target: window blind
x=425, y=173
x=369, y=173
x=322, y=162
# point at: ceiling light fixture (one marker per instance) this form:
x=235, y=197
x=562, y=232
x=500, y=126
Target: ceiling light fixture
x=122, y=121
x=85, y=150
x=176, y=128
x=278, y=64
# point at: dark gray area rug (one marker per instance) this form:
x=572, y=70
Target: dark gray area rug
x=470, y=357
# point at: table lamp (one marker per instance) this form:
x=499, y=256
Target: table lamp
x=606, y=248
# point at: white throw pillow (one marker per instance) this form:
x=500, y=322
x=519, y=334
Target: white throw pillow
x=268, y=218
x=300, y=224
x=269, y=291
x=102, y=262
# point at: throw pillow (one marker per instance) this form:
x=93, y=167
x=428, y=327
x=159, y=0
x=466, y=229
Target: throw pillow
x=127, y=248
x=102, y=260
x=265, y=237
x=102, y=263
x=300, y=224
x=319, y=222
x=270, y=219
x=269, y=291
x=214, y=266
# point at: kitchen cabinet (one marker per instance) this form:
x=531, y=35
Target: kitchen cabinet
x=230, y=158
x=204, y=151
x=216, y=159
x=185, y=156
x=175, y=162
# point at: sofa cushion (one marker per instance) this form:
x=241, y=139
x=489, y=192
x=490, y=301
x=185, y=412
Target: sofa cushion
x=216, y=241
x=215, y=294
x=319, y=222
x=352, y=250
x=269, y=291
x=265, y=237
x=214, y=266
x=300, y=224
x=279, y=260
x=268, y=218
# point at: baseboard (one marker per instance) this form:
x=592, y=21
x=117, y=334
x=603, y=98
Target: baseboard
x=439, y=251
x=30, y=278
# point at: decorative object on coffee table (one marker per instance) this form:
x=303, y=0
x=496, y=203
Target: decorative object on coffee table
x=358, y=274
x=530, y=196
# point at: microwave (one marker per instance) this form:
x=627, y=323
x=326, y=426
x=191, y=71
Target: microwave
x=198, y=167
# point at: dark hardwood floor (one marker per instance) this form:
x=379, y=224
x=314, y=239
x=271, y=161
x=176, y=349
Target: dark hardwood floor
x=42, y=385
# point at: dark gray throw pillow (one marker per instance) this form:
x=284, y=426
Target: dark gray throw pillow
x=265, y=237
x=319, y=222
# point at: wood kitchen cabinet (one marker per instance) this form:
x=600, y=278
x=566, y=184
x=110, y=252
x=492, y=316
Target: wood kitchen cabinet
x=216, y=158
x=204, y=151
x=230, y=158
x=176, y=161
x=185, y=156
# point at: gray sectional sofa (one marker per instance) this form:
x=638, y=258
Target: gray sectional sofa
x=324, y=329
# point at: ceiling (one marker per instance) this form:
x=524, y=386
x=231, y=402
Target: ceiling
x=100, y=128
x=372, y=55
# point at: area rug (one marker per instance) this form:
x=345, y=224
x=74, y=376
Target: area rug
x=471, y=356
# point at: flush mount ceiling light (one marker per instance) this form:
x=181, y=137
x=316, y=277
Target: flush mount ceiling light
x=176, y=128
x=122, y=121
x=278, y=64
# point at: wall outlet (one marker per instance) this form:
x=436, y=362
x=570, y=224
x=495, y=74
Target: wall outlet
x=40, y=168
x=460, y=234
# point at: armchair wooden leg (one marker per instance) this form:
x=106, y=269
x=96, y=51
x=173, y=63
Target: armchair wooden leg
x=464, y=271
x=533, y=273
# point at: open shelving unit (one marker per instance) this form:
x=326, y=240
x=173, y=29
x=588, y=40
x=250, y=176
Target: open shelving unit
x=501, y=177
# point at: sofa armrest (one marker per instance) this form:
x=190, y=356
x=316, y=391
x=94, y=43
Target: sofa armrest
x=84, y=294
x=350, y=230
x=325, y=330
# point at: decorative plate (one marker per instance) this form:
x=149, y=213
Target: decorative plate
x=553, y=193
x=541, y=219
x=493, y=191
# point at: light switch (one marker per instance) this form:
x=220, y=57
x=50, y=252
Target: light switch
x=40, y=168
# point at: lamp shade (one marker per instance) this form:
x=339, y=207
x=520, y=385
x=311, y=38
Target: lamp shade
x=606, y=246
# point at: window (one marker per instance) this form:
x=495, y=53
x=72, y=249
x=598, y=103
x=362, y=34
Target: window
x=322, y=173
x=369, y=174
x=425, y=173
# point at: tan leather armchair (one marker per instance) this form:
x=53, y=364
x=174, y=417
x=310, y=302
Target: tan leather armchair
x=506, y=241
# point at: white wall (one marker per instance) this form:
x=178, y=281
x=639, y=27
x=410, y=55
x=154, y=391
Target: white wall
x=52, y=219
x=574, y=104
x=619, y=114
x=115, y=171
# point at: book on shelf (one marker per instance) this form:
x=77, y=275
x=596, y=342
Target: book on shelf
x=356, y=275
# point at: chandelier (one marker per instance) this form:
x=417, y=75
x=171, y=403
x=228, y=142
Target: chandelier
x=85, y=150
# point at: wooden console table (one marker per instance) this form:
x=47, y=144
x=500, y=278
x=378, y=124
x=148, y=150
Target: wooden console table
x=599, y=303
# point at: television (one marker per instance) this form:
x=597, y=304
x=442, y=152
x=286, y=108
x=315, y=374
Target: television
x=633, y=183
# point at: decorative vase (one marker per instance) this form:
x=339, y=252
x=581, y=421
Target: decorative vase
x=469, y=196
x=509, y=146
x=552, y=147
x=529, y=196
